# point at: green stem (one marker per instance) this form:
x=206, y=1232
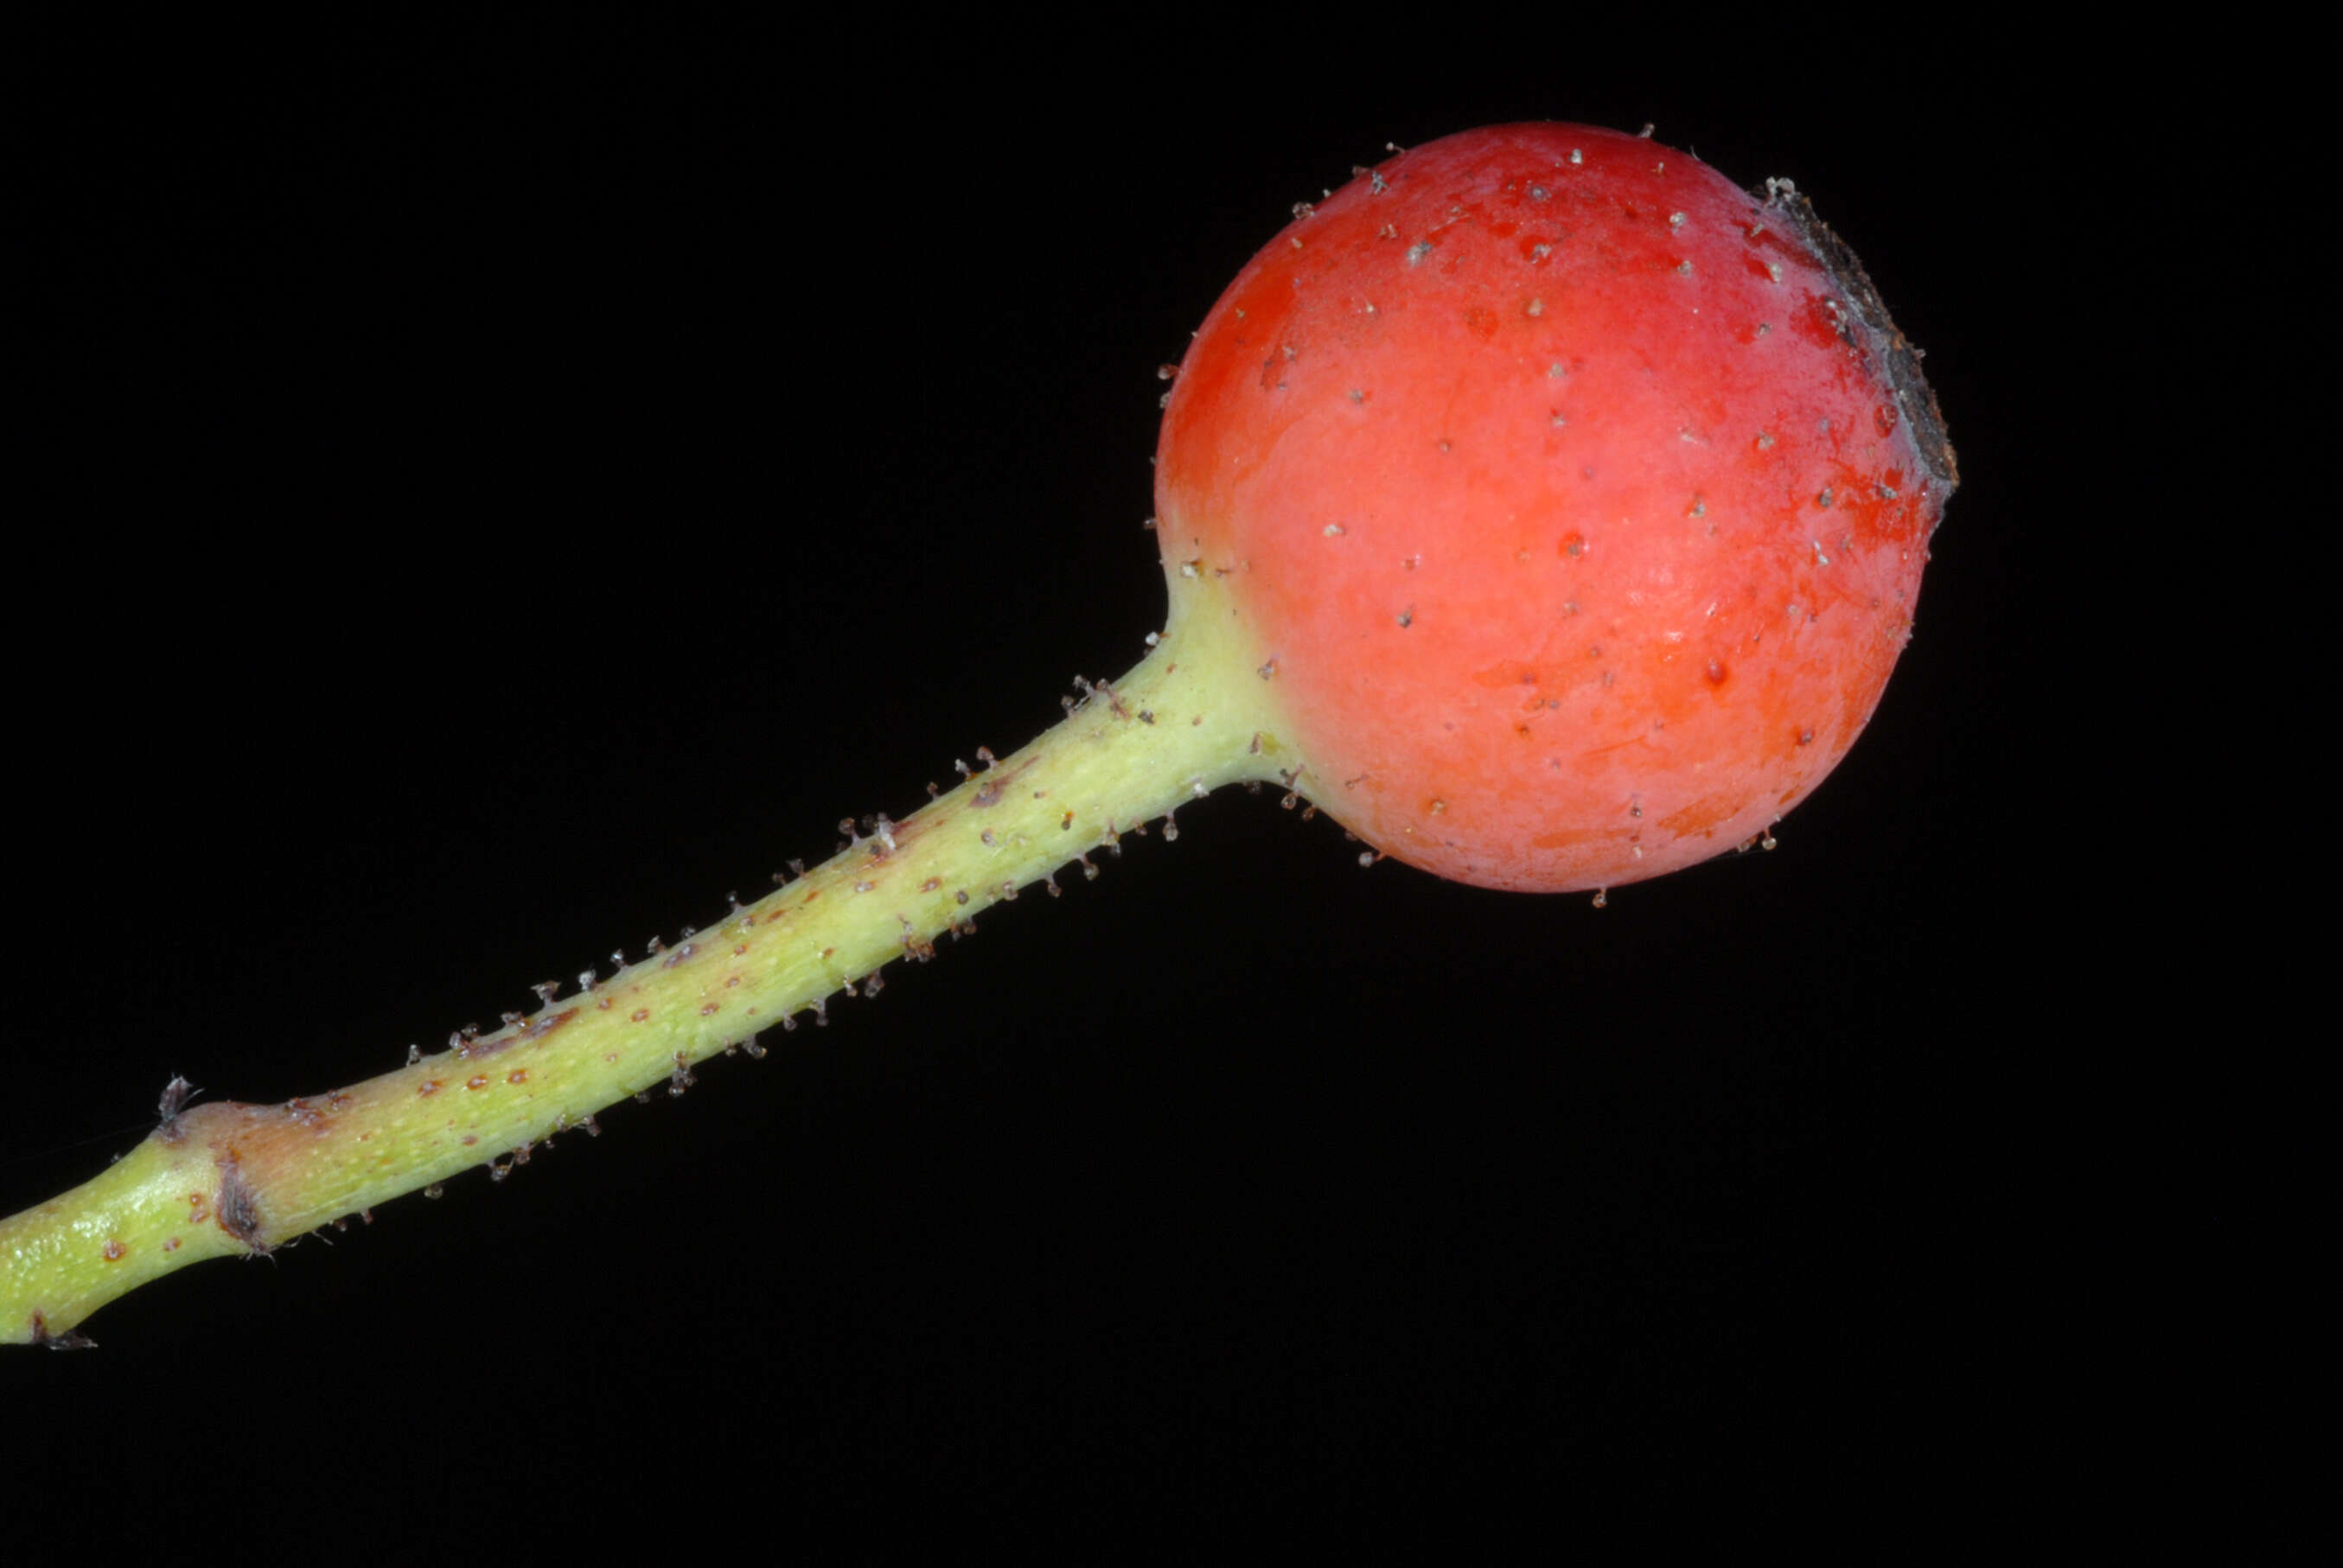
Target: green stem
x=227, y=1178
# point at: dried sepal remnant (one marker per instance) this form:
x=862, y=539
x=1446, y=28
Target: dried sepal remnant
x=175, y=1095
x=38, y=1333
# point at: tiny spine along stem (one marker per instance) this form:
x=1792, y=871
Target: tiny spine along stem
x=227, y=1178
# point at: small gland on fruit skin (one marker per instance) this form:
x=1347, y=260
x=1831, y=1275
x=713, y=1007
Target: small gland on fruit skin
x=1636, y=592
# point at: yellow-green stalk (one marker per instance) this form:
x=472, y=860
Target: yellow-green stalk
x=224, y=1178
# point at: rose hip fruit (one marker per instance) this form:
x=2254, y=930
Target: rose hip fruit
x=1576, y=499
x=1542, y=507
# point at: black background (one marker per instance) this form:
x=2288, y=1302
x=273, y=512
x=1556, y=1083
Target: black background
x=513, y=485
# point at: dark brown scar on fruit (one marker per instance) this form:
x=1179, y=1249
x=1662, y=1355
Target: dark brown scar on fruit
x=64, y=1341
x=238, y=1210
x=1910, y=388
